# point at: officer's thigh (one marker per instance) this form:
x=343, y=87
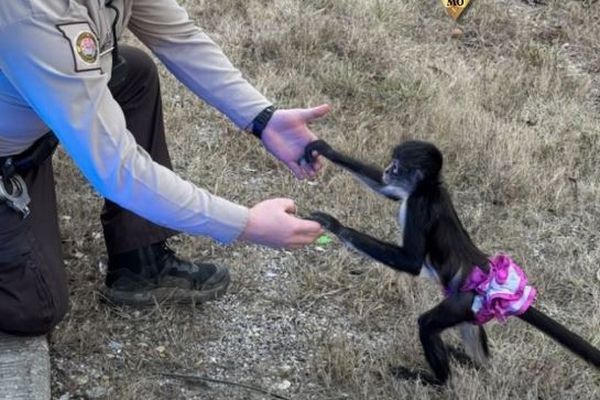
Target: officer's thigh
x=33, y=290
x=139, y=85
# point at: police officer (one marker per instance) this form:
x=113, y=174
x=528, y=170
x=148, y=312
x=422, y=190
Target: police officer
x=61, y=70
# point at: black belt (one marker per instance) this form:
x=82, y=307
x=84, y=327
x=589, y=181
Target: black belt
x=33, y=157
x=13, y=190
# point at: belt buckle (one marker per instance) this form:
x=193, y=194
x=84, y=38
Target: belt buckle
x=17, y=197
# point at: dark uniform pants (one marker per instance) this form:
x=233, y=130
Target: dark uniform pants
x=33, y=287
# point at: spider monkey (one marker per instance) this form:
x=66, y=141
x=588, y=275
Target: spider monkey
x=434, y=242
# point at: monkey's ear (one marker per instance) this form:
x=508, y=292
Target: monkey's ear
x=418, y=175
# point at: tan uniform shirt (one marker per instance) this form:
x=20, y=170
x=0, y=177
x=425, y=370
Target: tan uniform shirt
x=55, y=63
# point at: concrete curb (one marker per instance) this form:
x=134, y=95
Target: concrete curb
x=24, y=368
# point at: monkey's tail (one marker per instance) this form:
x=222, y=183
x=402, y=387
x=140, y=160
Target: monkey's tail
x=562, y=335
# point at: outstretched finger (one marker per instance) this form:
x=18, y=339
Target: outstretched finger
x=300, y=242
x=294, y=246
x=310, y=227
x=310, y=114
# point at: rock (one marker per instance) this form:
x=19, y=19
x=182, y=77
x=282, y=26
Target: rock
x=283, y=385
x=24, y=367
x=285, y=371
x=457, y=33
x=115, y=346
x=96, y=392
x=81, y=380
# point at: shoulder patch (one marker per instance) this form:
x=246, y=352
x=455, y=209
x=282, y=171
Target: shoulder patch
x=84, y=45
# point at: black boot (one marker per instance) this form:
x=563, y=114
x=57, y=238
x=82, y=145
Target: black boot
x=155, y=274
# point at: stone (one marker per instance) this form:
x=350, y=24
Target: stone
x=24, y=368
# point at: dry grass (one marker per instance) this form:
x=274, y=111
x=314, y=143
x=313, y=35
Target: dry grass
x=513, y=105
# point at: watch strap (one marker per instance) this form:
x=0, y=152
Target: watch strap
x=262, y=119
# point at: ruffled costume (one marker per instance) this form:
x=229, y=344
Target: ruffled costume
x=501, y=293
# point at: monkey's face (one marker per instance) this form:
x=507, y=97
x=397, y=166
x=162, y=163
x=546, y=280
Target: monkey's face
x=424, y=156
x=401, y=177
x=413, y=162
x=390, y=174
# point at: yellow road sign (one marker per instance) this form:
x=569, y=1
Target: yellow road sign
x=455, y=7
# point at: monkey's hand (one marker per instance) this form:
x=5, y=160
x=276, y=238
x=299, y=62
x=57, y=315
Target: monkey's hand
x=320, y=147
x=327, y=221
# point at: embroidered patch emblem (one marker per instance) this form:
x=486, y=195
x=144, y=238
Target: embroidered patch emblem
x=86, y=46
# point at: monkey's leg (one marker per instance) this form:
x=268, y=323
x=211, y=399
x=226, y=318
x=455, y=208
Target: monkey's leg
x=450, y=312
x=475, y=341
x=460, y=356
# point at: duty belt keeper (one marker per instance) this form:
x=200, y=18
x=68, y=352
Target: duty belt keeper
x=13, y=190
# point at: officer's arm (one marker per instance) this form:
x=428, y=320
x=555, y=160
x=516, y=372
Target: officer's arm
x=73, y=100
x=195, y=59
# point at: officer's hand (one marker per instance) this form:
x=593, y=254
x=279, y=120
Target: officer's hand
x=287, y=134
x=273, y=224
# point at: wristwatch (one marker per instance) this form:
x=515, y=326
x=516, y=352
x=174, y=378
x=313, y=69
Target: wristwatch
x=258, y=124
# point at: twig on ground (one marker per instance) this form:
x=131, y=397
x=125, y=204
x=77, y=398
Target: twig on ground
x=200, y=378
x=321, y=297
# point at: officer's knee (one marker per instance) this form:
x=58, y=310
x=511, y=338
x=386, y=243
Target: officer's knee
x=36, y=308
x=60, y=301
x=139, y=64
x=30, y=322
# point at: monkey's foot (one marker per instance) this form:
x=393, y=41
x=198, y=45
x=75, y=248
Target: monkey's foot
x=461, y=357
x=401, y=372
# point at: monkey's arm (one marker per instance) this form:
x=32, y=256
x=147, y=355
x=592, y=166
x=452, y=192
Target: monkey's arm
x=368, y=174
x=408, y=258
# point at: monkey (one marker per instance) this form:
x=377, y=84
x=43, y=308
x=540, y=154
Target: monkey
x=436, y=244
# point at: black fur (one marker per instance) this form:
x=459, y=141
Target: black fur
x=433, y=236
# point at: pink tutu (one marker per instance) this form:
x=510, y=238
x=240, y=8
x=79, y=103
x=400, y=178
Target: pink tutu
x=501, y=293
